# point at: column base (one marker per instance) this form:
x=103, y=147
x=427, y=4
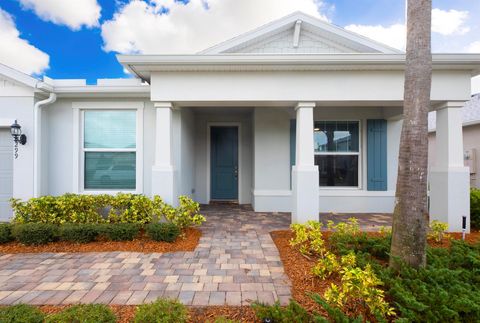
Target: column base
x=450, y=196
x=305, y=205
x=163, y=184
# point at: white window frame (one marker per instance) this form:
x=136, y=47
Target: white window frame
x=79, y=151
x=359, y=154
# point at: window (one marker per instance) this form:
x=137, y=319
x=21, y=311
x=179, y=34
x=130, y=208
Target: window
x=337, y=152
x=109, y=150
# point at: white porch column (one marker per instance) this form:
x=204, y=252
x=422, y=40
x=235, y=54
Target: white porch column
x=163, y=172
x=304, y=172
x=449, y=178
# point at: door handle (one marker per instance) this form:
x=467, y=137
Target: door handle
x=235, y=171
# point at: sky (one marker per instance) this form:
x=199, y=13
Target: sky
x=80, y=38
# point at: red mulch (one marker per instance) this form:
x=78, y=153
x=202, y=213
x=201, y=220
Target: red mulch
x=473, y=237
x=188, y=242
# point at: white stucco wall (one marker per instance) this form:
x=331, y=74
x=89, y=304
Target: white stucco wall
x=294, y=86
x=204, y=117
x=187, y=153
x=16, y=102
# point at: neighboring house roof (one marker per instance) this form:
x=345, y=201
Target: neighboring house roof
x=470, y=113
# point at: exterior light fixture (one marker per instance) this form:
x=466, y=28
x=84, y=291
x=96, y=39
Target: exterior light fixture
x=18, y=137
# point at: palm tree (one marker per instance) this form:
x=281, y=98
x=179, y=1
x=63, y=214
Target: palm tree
x=410, y=218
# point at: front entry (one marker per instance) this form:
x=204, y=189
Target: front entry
x=224, y=163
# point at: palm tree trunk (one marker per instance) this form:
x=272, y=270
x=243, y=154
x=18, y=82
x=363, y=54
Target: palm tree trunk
x=410, y=218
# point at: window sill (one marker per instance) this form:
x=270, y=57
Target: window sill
x=354, y=193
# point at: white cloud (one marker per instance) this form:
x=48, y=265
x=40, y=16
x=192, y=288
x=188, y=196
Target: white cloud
x=473, y=47
x=446, y=23
x=17, y=52
x=449, y=22
x=140, y=27
x=394, y=35
x=72, y=13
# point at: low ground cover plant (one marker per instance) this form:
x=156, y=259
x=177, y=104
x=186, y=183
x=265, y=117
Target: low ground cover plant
x=161, y=311
x=84, y=313
x=21, y=313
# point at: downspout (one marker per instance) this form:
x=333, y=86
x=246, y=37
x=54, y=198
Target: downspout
x=37, y=139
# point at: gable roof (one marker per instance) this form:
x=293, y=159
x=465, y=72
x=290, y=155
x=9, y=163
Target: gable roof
x=16, y=76
x=470, y=114
x=329, y=33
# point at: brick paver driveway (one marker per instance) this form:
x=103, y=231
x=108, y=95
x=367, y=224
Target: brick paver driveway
x=236, y=262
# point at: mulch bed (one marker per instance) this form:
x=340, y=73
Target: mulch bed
x=141, y=244
x=125, y=313
x=298, y=268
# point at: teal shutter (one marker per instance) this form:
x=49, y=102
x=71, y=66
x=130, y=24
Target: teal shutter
x=293, y=143
x=377, y=155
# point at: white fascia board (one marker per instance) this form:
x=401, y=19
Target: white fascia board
x=143, y=65
x=17, y=76
x=103, y=91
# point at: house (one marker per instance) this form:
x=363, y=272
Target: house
x=471, y=138
x=298, y=115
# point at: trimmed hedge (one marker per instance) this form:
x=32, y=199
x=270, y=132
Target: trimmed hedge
x=35, y=233
x=120, y=231
x=167, y=232
x=161, y=311
x=21, y=313
x=84, y=313
x=80, y=233
x=5, y=232
x=475, y=208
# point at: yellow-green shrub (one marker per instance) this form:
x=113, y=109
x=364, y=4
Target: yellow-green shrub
x=437, y=230
x=308, y=238
x=122, y=208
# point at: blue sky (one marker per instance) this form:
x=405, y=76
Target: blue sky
x=80, y=40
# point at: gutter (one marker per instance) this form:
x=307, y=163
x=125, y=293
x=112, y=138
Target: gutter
x=38, y=133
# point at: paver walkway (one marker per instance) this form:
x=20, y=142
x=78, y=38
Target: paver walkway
x=235, y=262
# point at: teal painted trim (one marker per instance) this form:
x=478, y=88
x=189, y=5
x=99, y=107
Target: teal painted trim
x=293, y=144
x=377, y=155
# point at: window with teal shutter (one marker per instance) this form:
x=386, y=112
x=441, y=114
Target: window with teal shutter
x=377, y=155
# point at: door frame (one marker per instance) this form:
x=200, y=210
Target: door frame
x=238, y=125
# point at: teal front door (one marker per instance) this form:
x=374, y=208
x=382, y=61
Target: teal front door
x=224, y=163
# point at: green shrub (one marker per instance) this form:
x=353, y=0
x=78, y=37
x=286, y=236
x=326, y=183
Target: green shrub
x=130, y=208
x=334, y=313
x=84, y=313
x=21, y=313
x=279, y=314
x=80, y=233
x=68, y=208
x=184, y=216
x=5, y=232
x=163, y=231
x=120, y=231
x=161, y=311
x=475, y=208
x=447, y=290
x=35, y=233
